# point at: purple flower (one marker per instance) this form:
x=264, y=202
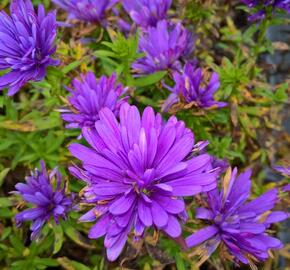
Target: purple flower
x=190, y=88
x=89, y=96
x=282, y=169
x=263, y=5
x=239, y=225
x=87, y=10
x=147, y=12
x=27, y=43
x=164, y=46
x=137, y=172
x=48, y=203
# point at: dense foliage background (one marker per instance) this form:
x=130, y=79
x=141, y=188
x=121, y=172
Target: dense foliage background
x=249, y=132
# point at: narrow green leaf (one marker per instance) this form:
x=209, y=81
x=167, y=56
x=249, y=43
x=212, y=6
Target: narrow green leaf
x=58, y=238
x=3, y=174
x=149, y=79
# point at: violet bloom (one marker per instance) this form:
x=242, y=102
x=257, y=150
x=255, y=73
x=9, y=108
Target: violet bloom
x=89, y=96
x=27, y=44
x=191, y=89
x=48, y=203
x=87, y=10
x=239, y=225
x=282, y=169
x=138, y=170
x=285, y=170
x=264, y=4
x=147, y=12
x=164, y=46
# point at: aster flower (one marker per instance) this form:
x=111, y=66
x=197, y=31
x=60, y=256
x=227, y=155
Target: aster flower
x=87, y=10
x=191, y=89
x=237, y=225
x=164, y=46
x=285, y=170
x=27, y=44
x=282, y=169
x=264, y=4
x=147, y=12
x=48, y=203
x=137, y=171
x=89, y=96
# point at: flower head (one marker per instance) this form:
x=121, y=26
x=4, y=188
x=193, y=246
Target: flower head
x=137, y=171
x=87, y=10
x=27, y=43
x=263, y=5
x=89, y=96
x=147, y=12
x=191, y=89
x=238, y=225
x=164, y=46
x=48, y=203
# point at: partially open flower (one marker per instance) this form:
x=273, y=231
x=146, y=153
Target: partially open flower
x=164, y=46
x=262, y=5
x=47, y=202
x=192, y=89
x=147, y=12
x=87, y=10
x=89, y=96
x=238, y=226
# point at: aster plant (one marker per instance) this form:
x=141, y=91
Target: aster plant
x=238, y=226
x=263, y=5
x=137, y=171
x=192, y=89
x=87, y=10
x=88, y=96
x=27, y=44
x=164, y=46
x=47, y=202
x=147, y=13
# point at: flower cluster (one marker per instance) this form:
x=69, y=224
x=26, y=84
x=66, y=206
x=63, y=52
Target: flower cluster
x=137, y=172
x=27, y=44
x=48, y=203
x=87, y=10
x=238, y=225
x=164, y=46
x=191, y=89
x=89, y=96
x=138, y=168
x=264, y=4
x=147, y=13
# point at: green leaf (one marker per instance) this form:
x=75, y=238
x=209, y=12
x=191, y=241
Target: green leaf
x=68, y=264
x=280, y=94
x=179, y=262
x=6, y=213
x=46, y=262
x=3, y=174
x=5, y=202
x=149, y=79
x=5, y=233
x=71, y=66
x=17, y=244
x=58, y=238
x=74, y=235
x=104, y=53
